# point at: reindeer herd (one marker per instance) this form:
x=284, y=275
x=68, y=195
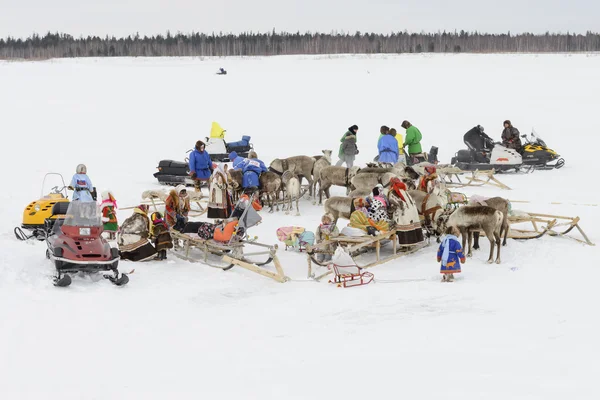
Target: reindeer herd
x=285, y=176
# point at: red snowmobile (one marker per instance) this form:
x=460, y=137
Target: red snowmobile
x=75, y=243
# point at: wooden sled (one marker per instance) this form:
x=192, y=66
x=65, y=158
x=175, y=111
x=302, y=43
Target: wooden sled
x=555, y=225
x=227, y=255
x=356, y=246
x=448, y=175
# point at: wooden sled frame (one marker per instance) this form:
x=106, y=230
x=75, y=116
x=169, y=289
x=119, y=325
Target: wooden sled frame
x=354, y=245
x=155, y=202
x=231, y=253
x=473, y=178
x=553, y=223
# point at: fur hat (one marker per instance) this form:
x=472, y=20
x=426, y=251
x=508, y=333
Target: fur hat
x=81, y=169
x=327, y=216
x=353, y=128
x=180, y=188
x=252, y=154
x=199, y=144
x=233, y=155
x=507, y=122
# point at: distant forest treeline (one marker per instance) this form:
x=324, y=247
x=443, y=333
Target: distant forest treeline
x=55, y=45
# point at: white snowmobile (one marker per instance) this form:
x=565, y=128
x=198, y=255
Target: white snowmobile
x=485, y=154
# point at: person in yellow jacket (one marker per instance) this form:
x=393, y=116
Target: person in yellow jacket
x=401, y=156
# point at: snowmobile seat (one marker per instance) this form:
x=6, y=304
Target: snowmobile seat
x=240, y=146
x=477, y=140
x=60, y=208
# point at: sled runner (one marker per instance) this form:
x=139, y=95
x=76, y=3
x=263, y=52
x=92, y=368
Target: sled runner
x=451, y=176
x=544, y=224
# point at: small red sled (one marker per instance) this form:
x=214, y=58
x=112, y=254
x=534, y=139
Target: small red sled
x=350, y=275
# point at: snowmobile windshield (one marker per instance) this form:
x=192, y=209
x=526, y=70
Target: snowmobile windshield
x=83, y=213
x=477, y=140
x=535, y=138
x=53, y=183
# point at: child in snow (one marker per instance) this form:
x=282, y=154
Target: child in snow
x=326, y=230
x=81, y=185
x=160, y=236
x=109, y=215
x=450, y=254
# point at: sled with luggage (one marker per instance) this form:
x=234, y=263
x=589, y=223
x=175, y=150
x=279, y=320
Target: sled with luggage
x=225, y=245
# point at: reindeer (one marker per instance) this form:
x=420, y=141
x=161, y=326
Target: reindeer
x=469, y=218
x=234, y=179
x=292, y=191
x=339, y=207
x=301, y=166
x=338, y=176
x=270, y=186
x=320, y=163
x=499, y=204
x=369, y=180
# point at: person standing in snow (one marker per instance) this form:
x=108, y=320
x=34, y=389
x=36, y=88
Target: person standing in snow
x=348, y=148
x=81, y=185
x=201, y=166
x=109, y=215
x=388, y=149
x=401, y=156
x=511, y=136
x=413, y=141
x=450, y=254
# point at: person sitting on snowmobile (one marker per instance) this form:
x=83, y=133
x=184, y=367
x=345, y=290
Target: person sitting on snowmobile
x=201, y=166
x=82, y=185
x=511, y=136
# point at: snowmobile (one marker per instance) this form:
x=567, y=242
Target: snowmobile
x=171, y=172
x=38, y=211
x=484, y=154
x=535, y=152
x=75, y=243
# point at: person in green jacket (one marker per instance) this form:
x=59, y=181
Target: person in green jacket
x=348, y=149
x=413, y=141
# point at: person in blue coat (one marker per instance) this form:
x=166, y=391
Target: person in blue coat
x=251, y=169
x=81, y=184
x=450, y=254
x=388, y=149
x=235, y=159
x=201, y=166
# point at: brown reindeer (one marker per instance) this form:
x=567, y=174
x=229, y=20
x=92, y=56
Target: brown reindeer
x=469, y=218
x=302, y=166
x=338, y=176
x=501, y=205
x=270, y=186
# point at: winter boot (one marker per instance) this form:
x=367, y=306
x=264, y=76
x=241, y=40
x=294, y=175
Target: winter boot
x=444, y=278
x=451, y=278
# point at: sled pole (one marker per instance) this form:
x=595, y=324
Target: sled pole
x=251, y=267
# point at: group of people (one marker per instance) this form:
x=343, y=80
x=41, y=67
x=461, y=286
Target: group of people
x=390, y=146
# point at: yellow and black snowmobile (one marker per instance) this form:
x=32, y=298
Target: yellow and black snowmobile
x=36, y=212
x=537, y=154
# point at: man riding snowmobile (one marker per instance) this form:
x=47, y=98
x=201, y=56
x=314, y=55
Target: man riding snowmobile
x=511, y=136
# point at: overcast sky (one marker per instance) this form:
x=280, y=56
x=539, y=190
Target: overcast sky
x=20, y=18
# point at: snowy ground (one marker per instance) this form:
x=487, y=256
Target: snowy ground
x=525, y=329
